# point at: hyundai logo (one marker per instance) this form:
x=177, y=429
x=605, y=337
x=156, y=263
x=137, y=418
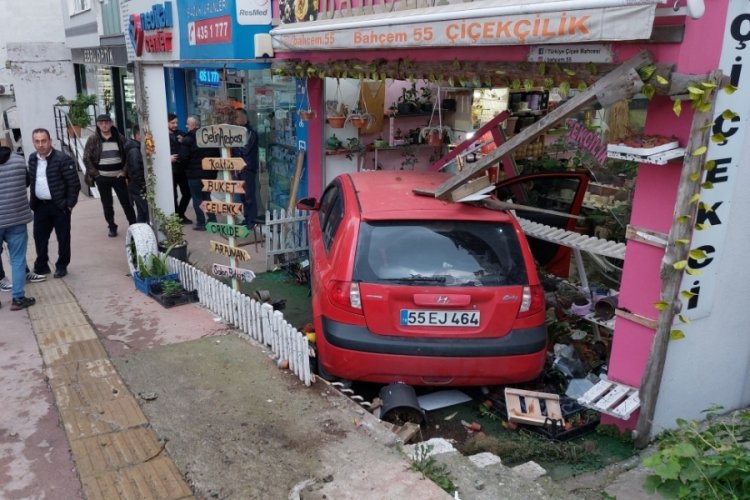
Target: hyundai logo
x=442, y=299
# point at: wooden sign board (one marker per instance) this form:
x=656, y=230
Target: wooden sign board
x=231, y=252
x=221, y=136
x=243, y=275
x=221, y=208
x=219, y=186
x=223, y=164
x=227, y=230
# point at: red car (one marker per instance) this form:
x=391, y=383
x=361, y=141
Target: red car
x=413, y=289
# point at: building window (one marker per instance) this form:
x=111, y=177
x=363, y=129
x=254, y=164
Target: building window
x=79, y=5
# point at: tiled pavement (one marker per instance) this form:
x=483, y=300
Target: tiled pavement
x=116, y=454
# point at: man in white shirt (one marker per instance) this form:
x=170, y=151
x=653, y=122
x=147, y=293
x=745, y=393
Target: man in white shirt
x=54, y=193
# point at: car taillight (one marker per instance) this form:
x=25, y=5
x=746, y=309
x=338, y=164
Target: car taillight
x=532, y=301
x=345, y=294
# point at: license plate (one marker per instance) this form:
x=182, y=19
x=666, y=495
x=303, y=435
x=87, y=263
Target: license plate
x=411, y=317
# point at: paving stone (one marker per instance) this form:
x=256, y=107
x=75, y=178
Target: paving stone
x=158, y=478
x=116, y=450
x=67, y=308
x=485, y=459
x=85, y=350
x=90, y=392
x=66, y=336
x=79, y=372
x=50, y=292
x=103, y=418
x=530, y=470
x=49, y=322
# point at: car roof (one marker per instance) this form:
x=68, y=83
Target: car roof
x=389, y=194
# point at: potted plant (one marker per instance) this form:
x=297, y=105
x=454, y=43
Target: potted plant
x=174, y=243
x=360, y=118
x=426, y=96
x=336, y=113
x=407, y=102
x=353, y=147
x=78, y=111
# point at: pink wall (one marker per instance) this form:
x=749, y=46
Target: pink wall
x=654, y=199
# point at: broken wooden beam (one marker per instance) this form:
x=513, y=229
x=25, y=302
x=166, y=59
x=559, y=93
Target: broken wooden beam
x=610, y=85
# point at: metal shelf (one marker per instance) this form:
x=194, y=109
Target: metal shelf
x=655, y=159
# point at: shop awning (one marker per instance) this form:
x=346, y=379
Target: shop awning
x=492, y=22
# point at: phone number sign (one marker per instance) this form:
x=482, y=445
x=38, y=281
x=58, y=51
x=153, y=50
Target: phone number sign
x=210, y=31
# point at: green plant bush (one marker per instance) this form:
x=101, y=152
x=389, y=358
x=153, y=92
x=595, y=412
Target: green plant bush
x=703, y=460
x=78, y=108
x=429, y=467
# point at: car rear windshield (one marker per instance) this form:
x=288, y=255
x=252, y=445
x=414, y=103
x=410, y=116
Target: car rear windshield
x=447, y=253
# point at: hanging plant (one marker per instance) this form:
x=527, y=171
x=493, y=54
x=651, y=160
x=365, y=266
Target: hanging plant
x=305, y=111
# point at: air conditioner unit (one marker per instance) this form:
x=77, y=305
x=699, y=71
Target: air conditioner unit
x=6, y=89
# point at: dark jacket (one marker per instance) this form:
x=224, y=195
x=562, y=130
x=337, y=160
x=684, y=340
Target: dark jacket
x=174, y=143
x=14, y=204
x=62, y=179
x=93, y=150
x=134, y=167
x=191, y=156
x=249, y=153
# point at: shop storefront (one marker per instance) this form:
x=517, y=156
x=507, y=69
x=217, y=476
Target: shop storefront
x=545, y=57
x=206, y=51
x=102, y=71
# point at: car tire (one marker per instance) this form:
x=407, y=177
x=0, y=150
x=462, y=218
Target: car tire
x=322, y=373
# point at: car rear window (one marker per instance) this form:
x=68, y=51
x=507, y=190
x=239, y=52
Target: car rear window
x=439, y=253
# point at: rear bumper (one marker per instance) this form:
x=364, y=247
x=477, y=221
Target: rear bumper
x=359, y=338
x=354, y=353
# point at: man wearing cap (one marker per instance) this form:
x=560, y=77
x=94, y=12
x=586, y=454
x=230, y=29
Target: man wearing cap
x=104, y=157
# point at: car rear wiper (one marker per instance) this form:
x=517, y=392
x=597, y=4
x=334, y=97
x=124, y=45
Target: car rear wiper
x=418, y=278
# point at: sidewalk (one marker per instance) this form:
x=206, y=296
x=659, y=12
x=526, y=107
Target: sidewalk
x=151, y=400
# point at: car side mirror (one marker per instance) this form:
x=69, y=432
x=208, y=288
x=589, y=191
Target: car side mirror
x=308, y=204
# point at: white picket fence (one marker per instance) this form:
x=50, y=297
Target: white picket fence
x=256, y=320
x=284, y=233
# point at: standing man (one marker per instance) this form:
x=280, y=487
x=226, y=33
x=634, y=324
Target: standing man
x=191, y=157
x=249, y=153
x=179, y=177
x=54, y=193
x=104, y=157
x=14, y=216
x=135, y=174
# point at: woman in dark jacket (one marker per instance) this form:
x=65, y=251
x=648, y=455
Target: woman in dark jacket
x=192, y=156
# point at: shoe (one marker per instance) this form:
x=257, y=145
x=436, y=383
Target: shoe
x=35, y=278
x=112, y=233
x=60, y=273
x=185, y=220
x=5, y=285
x=198, y=227
x=22, y=303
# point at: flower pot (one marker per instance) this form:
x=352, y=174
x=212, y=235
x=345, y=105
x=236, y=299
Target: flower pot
x=336, y=121
x=580, y=309
x=435, y=138
x=358, y=121
x=74, y=130
x=307, y=115
x=179, y=252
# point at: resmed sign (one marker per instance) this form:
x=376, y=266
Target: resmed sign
x=152, y=29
